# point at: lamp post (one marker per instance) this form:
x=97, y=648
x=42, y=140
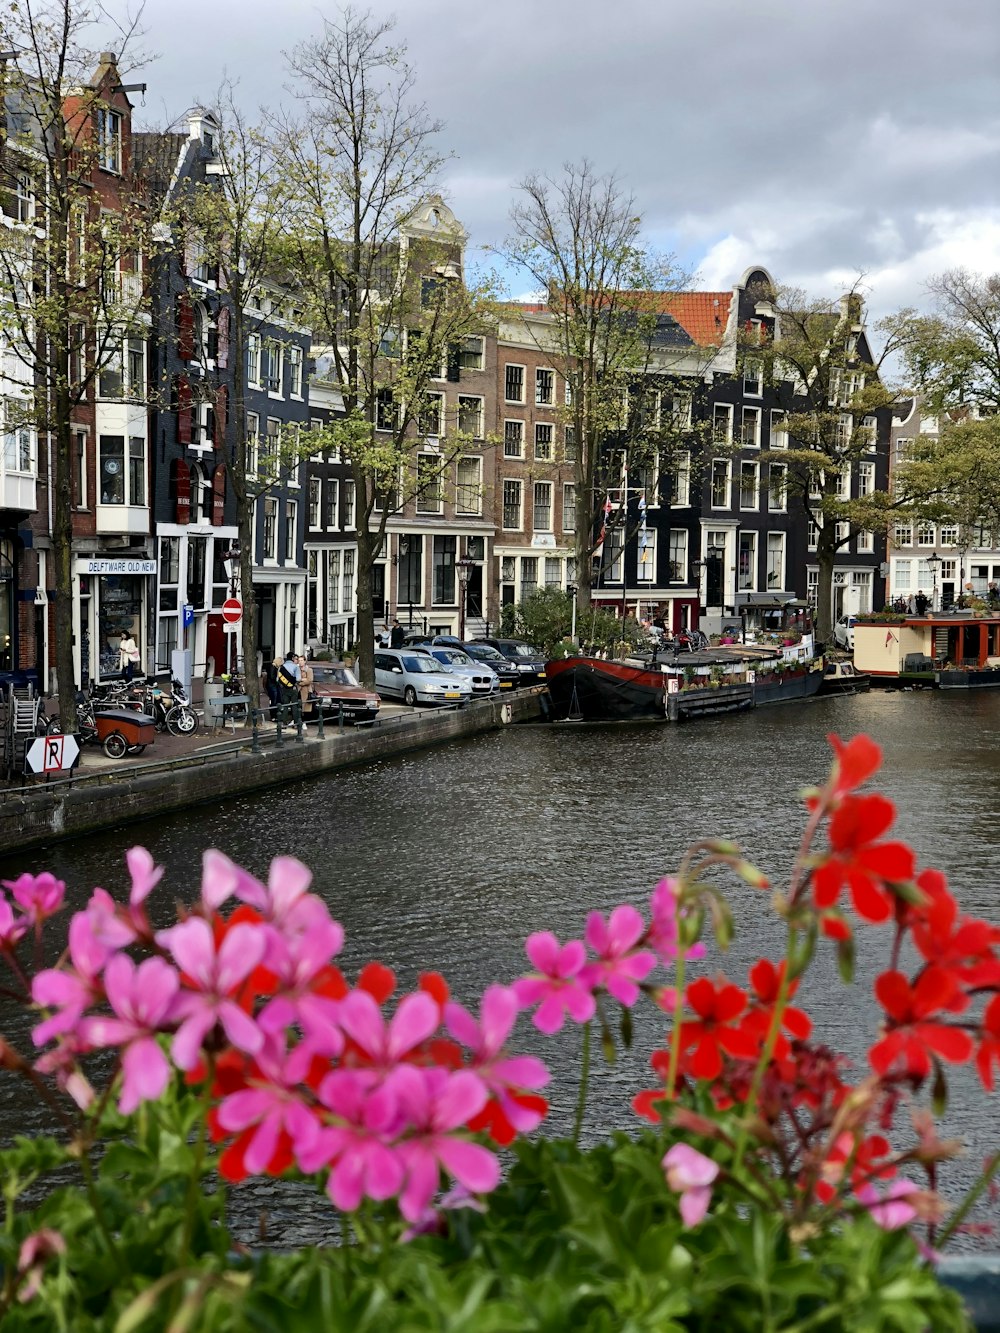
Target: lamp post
x=465, y=568
x=933, y=563
x=571, y=590
x=231, y=564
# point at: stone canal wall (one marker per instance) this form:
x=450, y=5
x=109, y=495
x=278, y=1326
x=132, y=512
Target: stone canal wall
x=39, y=815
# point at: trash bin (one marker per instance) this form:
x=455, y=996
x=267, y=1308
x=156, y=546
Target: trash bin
x=215, y=710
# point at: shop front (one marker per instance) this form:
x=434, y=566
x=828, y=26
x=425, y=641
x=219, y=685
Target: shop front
x=114, y=601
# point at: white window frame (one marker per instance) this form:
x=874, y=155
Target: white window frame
x=465, y=351
x=269, y=530
x=866, y=479
x=724, y=463
x=514, y=365
x=253, y=360
x=722, y=412
x=569, y=494
x=547, y=446
x=779, y=428
x=680, y=483
x=253, y=444
x=550, y=401
x=748, y=468
x=430, y=498
x=476, y=488
x=679, y=546
x=513, y=421
x=541, y=488
x=746, y=542
x=776, y=471
x=295, y=372
x=315, y=510
x=332, y=484
x=517, y=487
x=774, y=572
x=645, y=557
x=477, y=433
x=750, y=416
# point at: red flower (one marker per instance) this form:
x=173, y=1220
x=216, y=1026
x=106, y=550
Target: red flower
x=856, y=761
x=912, y=1031
x=713, y=1032
x=765, y=979
x=860, y=860
x=989, y=1045
x=963, y=944
x=867, y=1159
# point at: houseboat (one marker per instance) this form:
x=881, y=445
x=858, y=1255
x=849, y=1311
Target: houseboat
x=947, y=650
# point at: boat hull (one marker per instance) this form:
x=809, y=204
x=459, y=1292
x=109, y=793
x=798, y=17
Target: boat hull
x=789, y=685
x=590, y=690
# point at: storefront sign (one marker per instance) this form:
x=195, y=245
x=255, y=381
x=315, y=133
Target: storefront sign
x=102, y=566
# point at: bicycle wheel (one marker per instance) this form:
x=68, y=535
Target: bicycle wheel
x=136, y=749
x=182, y=721
x=115, y=746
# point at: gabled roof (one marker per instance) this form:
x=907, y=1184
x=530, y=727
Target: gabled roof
x=702, y=316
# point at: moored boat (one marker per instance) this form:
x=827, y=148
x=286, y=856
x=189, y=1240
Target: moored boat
x=841, y=678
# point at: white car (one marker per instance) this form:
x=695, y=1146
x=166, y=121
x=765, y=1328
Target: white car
x=843, y=633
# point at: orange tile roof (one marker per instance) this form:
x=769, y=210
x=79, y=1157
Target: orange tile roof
x=702, y=315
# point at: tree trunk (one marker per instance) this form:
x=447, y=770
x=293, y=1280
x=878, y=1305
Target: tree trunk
x=244, y=509
x=62, y=553
x=368, y=547
x=825, y=554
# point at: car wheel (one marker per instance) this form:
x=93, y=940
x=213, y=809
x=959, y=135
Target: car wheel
x=410, y=696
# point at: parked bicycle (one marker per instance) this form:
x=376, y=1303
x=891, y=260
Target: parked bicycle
x=170, y=709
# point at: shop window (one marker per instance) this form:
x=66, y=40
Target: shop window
x=112, y=478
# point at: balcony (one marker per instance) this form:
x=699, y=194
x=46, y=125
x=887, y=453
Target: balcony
x=17, y=490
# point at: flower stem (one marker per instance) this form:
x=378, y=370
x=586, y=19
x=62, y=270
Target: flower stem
x=970, y=1200
x=581, y=1100
x=675, y=1035
x=764, y=1059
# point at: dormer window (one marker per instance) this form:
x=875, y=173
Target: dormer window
x=109, y=139
x=24, y=197
x=208, y=139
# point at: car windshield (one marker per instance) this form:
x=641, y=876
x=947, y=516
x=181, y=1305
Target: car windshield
x=522, y=650
x=484, y=652
x=451, y=655
x=334, y=676
x=427, y=665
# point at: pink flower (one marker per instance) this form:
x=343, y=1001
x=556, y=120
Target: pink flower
x=663, y=930
x=296, y=960
x=63, y=1061
x=690, y=1174
x=383, y=1045
x=364, y=1163
x=501, y=1073
x=437, y=1103
x=285, y=892
x=35, y=1252
x=40, y=895
x=12, y=928
x=210, y=976
x=118, y=926
x=273, y=1105
x=619, y=966
x=558, y=988
x=891, y=1210
x=142, y=999
x=70, y=990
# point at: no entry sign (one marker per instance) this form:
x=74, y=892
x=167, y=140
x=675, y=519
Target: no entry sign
x=232, y=610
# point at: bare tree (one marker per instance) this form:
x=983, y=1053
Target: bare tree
x=386, y=297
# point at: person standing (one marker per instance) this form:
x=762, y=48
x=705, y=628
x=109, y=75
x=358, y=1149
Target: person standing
x=305, y=686
x=288, y=685
x=129, y=656
x=920, y=602
x=397, y=635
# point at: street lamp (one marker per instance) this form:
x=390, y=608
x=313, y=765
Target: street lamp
x=933, y=562
x=465, y=568
x=571, y=591
x=231, y=563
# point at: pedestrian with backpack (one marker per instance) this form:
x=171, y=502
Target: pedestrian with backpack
x=288, y=679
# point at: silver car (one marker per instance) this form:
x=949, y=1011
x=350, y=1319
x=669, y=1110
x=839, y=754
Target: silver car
x=417, y=678
x=483, y=679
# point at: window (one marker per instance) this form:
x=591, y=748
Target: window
x=870, y=426
x=137, y=470
x=812, y=587
x=569, y=508
x=866, y=478
x=748, y=485
x=112, y=478
x=529, y=574
x=348, y=504
x=109, y=139
x=271, y=452
x=80, y=469
x=777, y=490
x=779, y=430
x=720, y=483
x=747, y=561
x=545, y=388
x=813, y=538
x=109, y=378
x=844, y=430
x=253, y=443
x=902, y=575
x=411, y=565
x=315, y=492
x=553, y=571
x=677, y=572
x=680, y=411
x=470, y=417
x=775, y=560
x=24, y=197
x=750, y=428
x=842, y=534
x=844, y=482
x=385, y=410
x=468, y=486
x=543, y=441
x=903, y=535
x=348, y=582
x=253, y=360
x=291, y=519
x=270, y=551
x=866, y=543
x=333, y=583
x=861, y=580
x=443, y=560
x=513, y=439
x=332, y=497
x=295, y=371
x=542, y=520
x=571, y=452
x=470, y=353
x=512, y=506
x=925, y=534
x=430, y=498
x=18, y=453
x=753, y=378
x=646, y=557
x=948, y=534
x=271, y=366
x=679, y=480
x=722, y=423
x=513, y=384
x=902, y=451
x=616, y=555
x=136, y=364
x=431, y=420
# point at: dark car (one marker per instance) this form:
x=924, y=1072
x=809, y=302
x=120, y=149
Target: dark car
x=336, y=689
x=528, y=661
x=506, y=672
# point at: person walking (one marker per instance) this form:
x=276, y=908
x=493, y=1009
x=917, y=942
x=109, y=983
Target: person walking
x=397, y=635
x=288, y=685
x=305, y=686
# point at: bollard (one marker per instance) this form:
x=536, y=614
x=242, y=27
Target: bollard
x=340, y=715
x=297, y=715
x=255, y=739
x=319, y=721
x=279, y=736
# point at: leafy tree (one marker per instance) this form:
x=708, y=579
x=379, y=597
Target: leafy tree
x=545, y=618
x=578, y=237
x=385, y=295
x=71, y=284
x=836, y=404
x=953, y=356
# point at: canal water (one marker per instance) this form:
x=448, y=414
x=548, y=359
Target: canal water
x=448, y=858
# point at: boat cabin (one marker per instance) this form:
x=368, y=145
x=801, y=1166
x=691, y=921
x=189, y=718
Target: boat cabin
x=923, y=648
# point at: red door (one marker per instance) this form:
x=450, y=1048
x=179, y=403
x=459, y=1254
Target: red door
x=217, y=643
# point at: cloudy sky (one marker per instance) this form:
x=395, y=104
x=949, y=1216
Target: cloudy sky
x=822, y=138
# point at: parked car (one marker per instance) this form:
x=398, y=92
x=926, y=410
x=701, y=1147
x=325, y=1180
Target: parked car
x=504, y=670
x=336, y=690
x=843, y=633
x=415, y=677
x=479, y=675
x=528, y=660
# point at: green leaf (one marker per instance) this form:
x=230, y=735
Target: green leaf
x=626, y=1027
x=845, y=959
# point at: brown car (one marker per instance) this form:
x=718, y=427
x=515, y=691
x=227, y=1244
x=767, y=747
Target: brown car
x=335, y=689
